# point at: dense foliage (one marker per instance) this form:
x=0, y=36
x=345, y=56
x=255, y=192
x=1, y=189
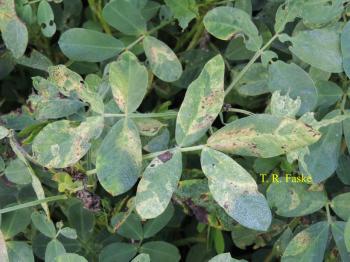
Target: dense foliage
x=151, y=130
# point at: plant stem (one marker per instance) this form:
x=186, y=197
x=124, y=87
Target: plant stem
x=145, y=115
x=242, y=111
x=329, y=218
x=183, y=149
x=250, y=63
x=33, y=203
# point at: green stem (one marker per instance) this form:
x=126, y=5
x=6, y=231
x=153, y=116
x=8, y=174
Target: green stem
x=237, y=110
x=183, y=149
x=329, y=217
x=145, y=115
x=250, y=63
x=33, y=203
x=33, y=2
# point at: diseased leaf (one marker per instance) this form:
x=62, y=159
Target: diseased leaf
x=123, y=16
x=163, y=61
x=235, y=190
x=4, y=132
x=263, y=135
x=61, y=144
x=338, y=236
x=81, y=44
x=225, y=257
x=119, y=158
x=158, y=183
x=184, y=10
x=308, y=245
x=284, y=106
x=295, y=199
x=128, y=80
x=340, y=205
x=293, y=80
x=202, y=103
x=319, y=48
x=142, y=258
x=45, y=19
x=224, y=22
x=3, y=250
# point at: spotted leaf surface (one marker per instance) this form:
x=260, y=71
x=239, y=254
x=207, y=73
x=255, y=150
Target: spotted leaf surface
x=235, y=190
x=63, y=143
x=309, y=245
x=45, y=19
x=224, y=22
x=295, y=199
x=163, y=61
x=119, y=158
x=158, y=183
x=128, y=80
x=263, y=135
x=202, y=103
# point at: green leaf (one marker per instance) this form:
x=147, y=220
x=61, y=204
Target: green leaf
x=119, y=158
x=254, y=82
x=4, y=132
x=61, y=144
x=202, y=103
x=130, y=227
x=35, y=60
x=224, y=22
x=54, y=249
x=161, y=251
x=319, y=48
x=7, y=13
x=346, y=129
x=347, y=235
x=328, y=93
x=123, y=16
x=322, y=159
x=340, y=205
x=142, y=258
x=3, y=250
x=308, y=245
x=45, y=19
x=345, y=48
x=81, y=44
x=70, y=257
x=338, y=236
x=295, y=199
x=43, y=224
x=293, y=80
x=263, y=135
x=19, y=251
x=153, y=226
x=184, y=11
x=14, y=222
x=235, y=190
x=225, y=257
x=15, y=36
x=17, y=172
x=128, y=80
x=342, y=169
x=158, y=183
x=118, y=252
x=82, y=220
x=162, y=60
x=148, y=126
x=219, y=241
x=68, y=232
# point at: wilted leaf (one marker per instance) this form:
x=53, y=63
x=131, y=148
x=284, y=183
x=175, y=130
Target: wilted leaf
x=263, y=136
x=202, y=103
x=308, y=245
x=158, y=183
x=163, y=61
x=284, y=106
x=235, y=190
x=224, y=22
x=128, y=80
x=119, y=158
x=4, y=132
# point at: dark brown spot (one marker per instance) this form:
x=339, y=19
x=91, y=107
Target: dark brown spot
x=165, y=157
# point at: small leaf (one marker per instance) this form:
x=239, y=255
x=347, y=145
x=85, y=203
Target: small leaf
x=295, y=199
x=123, y=16
x=118, y=252
x=59, y=144
x=161, y=251
x=224, y=22
x=225, y=257
x=149, y=126
x=202, y=103
x=81, y=44
x=130, y=227
x=163, y=61
x=70, y=257
x=184, y=11
x=142, y=258
x=158, y=183
x=340, y=205
x=284, y=106
x=45, y=18
x=308, y=245
x=293, y=80
x=263, y=135
x=119, y=158
x=19, y=251
x=17, y=172
x=128, y=80
x=338, y=236
x=235, y=190
x=15, y=36
x=54, y=249
x=43, y=224
x=68, y=232
x=322, y=49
